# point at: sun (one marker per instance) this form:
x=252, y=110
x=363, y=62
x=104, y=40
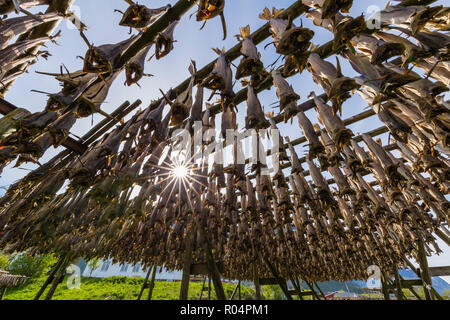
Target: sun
x=180, y=172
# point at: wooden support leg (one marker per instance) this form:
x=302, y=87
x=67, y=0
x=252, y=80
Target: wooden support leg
x=411, y=289
x=424, y=271
x=203, y=287
x=209, y=288
x=321, y=293
x=235, y=290
x=384, y=287
x=297, y=288
x=145, y=283
x=239, y=291
x=49, y=278
x=280, y=281
x=152, y=283
x=214, y=271
x=399, y=291
x=256, y=281
x=184, y=290
x=59, y=277
x=443, y=236
x=299, y=285
x=2, y=292
x=411, y=266
x=315, y=295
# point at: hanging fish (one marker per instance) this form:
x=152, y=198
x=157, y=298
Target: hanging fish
x=282, y=155
x=315, y=147
x=295, y=162
x=250, y=63
x=399, y=129
x=346, y=29
x=288, y=38
x=12, y=52
x=165, y=40
x=134, y=69
x=180, y=109
x=7, y=6
x=208, y=9
x=378, y=51
x=139, y=16
x=217, y=79
x=255, y=115
x=285, y=92
x=333, y=123
x=228, y=120
x=93, y=97
x=105, y=58
x=330, y=7
x=11, y=28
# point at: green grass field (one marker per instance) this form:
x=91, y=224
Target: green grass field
x=122, y=288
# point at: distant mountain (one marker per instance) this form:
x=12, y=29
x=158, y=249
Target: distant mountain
x=356, y=286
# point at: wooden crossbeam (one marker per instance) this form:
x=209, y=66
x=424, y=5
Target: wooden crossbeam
x=303, y=294
x=268, y=281
x=440, y=271
x=406, y=283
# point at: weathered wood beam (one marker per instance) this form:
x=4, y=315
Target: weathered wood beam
x=418, y=273
x=302, y=294
x=151, y=285
x=280, y=281
x=212, y=266
x=439, y=271
x=424, y=271
x=443, y=236
x=235, y=290
x=187, y=261
x=144, y=284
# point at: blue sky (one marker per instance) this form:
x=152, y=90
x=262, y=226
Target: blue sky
x=192, y=43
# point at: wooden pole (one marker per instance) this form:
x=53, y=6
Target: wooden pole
x=424, y=271
x=152, y=283
x=239, y=290
x=411, y=289
x=320, y=290
x=184, y=290
x=443, y=236
x=384, y=287
x=49, y=278
x=399, y=291
x=235, y=290
x=280, y=281
x=149, y=36
x=145, y=283
x=411, y=266
x=2, y=292
x=315, y=295
x=256, y=281
x=209, y=288
x=57, y=280
x=214, y=271
x=297, y=288
x=299, y=285
x=203, y=287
